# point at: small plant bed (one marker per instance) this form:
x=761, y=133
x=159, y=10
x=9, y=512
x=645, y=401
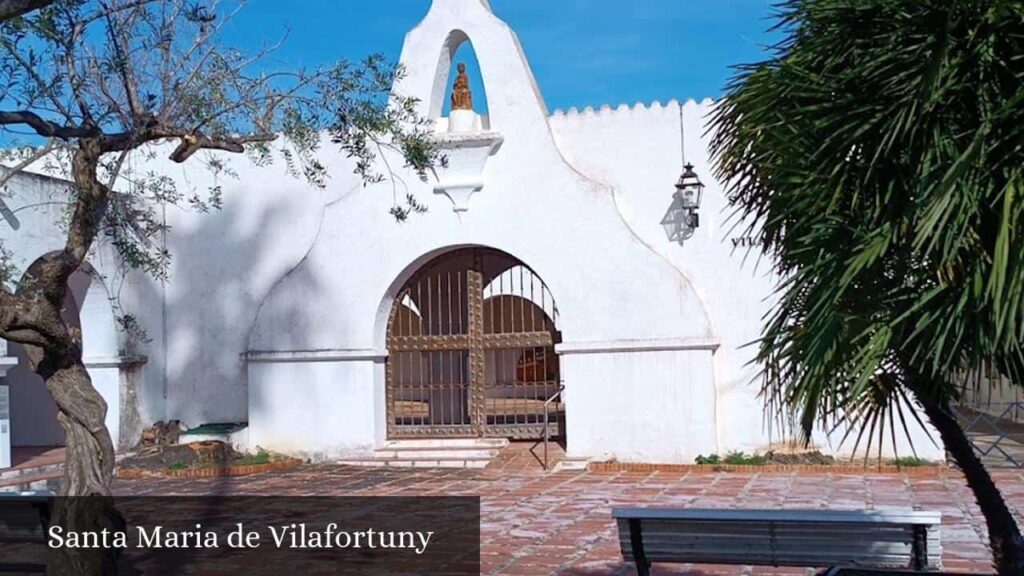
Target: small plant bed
x=732, y=459
x=200, y=459
x=783, y=461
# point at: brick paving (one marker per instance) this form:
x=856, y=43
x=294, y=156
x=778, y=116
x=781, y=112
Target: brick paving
x=536, y=523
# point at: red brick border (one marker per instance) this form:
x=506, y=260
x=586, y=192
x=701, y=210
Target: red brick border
x=929, y=471
x=137, y=473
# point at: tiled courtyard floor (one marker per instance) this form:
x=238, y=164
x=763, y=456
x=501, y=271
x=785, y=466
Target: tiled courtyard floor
x=536, y=523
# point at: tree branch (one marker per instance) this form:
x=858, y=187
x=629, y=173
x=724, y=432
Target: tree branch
x=192, y=143
x=46, y=90
x=15, y=322
x=119, y=43
x=42, y=151
x=13, y=8
x=48, y=128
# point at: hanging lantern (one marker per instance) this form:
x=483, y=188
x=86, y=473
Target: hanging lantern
x=682, y=218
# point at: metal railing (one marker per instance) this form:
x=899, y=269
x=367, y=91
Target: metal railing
x=547, y=428
x=995, y=430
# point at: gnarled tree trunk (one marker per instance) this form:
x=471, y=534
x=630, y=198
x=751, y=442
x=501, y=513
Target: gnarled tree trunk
x=89, y=464
x=55, y=354
x=85, y=504
x=1004, y=535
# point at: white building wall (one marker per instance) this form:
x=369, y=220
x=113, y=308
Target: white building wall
x=639, y=151
x=223, y=265
x=31, y=213
x=326, y=412
x=610, y=287
x=649, y=406
x=276, y=308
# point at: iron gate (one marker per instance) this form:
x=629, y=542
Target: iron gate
x=471, y=350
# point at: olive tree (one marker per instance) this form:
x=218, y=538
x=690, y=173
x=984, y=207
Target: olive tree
x=97, y=83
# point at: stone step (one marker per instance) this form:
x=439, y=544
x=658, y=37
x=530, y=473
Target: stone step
x=570, y=464
x=39, y=481
x=436, y=453
x=407, y=462
x=424, y=443
x=32, y=476
x=433, y=453
x=18, y=472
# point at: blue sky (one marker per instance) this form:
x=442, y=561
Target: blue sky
x=583, y=52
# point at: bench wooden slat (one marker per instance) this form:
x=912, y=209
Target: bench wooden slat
x=740, y=529
x=653, y=533
x=921, y=517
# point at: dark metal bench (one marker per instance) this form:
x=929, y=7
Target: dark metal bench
x=801, y=538
x=24, y=517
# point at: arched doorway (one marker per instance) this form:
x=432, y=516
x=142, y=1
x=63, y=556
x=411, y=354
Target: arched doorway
x=470, y=341
x=34, y=428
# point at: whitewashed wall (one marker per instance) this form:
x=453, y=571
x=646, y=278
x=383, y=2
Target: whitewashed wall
x=640, y=406
x=610, y=287
x=30, y=213
x=639, y=151
x=317, y=409
x=276, y=309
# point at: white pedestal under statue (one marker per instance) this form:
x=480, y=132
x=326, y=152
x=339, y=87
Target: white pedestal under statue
x=466, y=145
x=463, y=121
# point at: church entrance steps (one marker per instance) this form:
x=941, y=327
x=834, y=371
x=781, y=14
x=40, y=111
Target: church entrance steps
x=35, y=468
x=418, y=462
x=571, y=464
x=446, y=444
x=31, y=480
x=21, y=471
x=434, y=453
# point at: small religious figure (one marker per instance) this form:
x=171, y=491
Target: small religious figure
x=462, y=98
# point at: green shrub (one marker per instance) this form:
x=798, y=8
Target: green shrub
x=743, y=459
x=260, y=457
x=178, y=466
x=710, y=459
x=911, y=462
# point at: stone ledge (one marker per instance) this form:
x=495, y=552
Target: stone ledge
x=114, y=361
x=338, y=355
x=474, y=139
x=653, y=345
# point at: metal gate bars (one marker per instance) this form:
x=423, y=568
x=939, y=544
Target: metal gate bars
x=471, y=350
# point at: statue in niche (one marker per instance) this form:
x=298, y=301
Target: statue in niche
x=462, y=97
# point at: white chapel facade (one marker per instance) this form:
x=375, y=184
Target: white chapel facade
x=539, y=279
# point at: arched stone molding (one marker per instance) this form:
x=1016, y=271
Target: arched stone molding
x=88, y=308
x=456, y=38
x=513, y=96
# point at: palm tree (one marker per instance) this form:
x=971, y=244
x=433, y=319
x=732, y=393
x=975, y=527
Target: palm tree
x=878, y=152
